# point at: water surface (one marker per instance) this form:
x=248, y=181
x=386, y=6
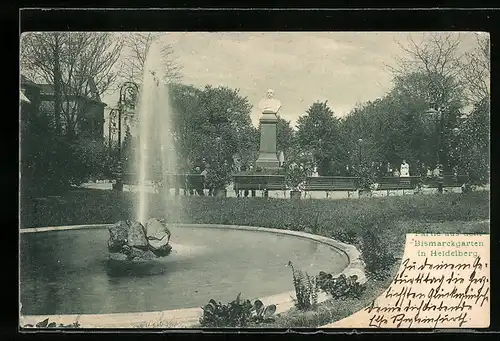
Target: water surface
x=67, y=272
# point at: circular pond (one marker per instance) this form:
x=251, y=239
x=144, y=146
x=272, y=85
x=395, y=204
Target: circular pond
x=67, y=272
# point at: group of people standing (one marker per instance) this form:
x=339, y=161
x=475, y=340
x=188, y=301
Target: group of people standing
x=404, y=170
x=214, y=177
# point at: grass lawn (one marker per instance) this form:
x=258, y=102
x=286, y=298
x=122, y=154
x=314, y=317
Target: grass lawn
x=377, y=226
x=89, y=206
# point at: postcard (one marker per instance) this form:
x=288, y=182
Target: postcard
x=251, y=180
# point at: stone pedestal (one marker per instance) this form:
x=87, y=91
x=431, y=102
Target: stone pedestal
x=267, y=153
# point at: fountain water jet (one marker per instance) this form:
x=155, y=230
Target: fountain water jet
x=156, y=142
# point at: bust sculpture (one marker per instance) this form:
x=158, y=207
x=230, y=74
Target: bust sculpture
x=270, y=105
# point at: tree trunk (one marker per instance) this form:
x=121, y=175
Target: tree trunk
x=221, y=193
x=57, y=86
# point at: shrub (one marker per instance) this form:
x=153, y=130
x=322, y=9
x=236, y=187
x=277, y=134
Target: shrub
x=340, y=287
x=336, y=216
x=218, y=176
x=238, y=313
x=52, y=162
x=366, y=178
x=377, y=258
x=45, y=324
x=306, y=290
x=90, y=159
x=345, y=235
x=295, y=176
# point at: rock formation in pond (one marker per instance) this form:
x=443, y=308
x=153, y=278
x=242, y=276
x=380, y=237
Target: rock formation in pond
x=158, y=236
x=131, y=241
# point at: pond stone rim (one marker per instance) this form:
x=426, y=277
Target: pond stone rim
x=189, y=317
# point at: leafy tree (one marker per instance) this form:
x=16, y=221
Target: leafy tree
x=188, y=132
x=426, y=77
x=212, y=123
x=319, y=132
x=285, y=135
x=222, y=104
x=473, y=144
x=422, y=129
x=399, y=126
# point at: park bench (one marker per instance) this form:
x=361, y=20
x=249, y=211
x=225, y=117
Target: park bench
x=185, y=181
x=262, y=182
x=127, y=178
x=454, y=181
x=395, y=183
x=188, y=182
x=130, y=178
x=331, y=184
x=449, y=181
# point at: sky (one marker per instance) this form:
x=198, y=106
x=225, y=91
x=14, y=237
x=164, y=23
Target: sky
x=345, y=68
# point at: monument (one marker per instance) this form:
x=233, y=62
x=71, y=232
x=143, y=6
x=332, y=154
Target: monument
x=267, y=153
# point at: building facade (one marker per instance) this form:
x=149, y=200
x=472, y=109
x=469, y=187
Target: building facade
x=85, y=114
x=32, y=92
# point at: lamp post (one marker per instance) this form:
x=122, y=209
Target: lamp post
x=360, y=141
x=457, y=134
x=125, y=89
x=218, y=146
x=438, y=113
x=111, y=127
x=218, y=121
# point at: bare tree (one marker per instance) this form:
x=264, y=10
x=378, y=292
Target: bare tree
x=136, y=49
x=80, y=65
x=437, y=57
x=476, y=69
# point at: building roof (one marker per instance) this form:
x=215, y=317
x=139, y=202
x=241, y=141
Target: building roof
x=23, y=97
x=48, y=89
x=26, y=81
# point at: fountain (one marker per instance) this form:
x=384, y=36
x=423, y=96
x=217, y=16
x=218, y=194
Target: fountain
x=155, y=133
x=146, y=239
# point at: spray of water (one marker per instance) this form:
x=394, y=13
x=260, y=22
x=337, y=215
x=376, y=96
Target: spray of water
x=155, y=140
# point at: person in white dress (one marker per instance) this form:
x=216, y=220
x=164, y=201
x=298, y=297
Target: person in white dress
x=315, y=172
x=404, y=169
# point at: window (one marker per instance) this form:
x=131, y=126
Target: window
x=47, y=106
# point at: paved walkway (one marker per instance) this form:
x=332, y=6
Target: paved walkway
x=285, y=194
